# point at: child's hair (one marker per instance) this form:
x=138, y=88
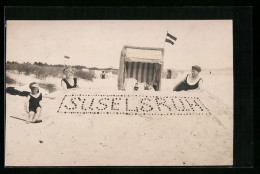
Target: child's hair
x=33, y=85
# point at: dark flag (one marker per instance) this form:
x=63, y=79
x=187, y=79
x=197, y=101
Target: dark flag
x=169, y=41
x=170, y=38
x=67, y=57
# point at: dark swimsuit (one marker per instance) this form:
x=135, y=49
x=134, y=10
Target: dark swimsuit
x=34, y=103
x=185, y=86
x=68, y=85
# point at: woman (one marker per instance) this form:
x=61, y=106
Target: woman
x=69, y=82
x=192, y=81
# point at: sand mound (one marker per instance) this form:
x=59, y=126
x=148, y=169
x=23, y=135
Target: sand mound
x=80, y=139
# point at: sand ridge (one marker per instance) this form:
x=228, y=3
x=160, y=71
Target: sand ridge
x=118, y=140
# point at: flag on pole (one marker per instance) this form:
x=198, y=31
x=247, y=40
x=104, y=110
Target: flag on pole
x=169, y=41
x=170, y=38
x=66, y=61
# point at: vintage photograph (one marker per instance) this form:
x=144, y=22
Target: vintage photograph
x=119, y=93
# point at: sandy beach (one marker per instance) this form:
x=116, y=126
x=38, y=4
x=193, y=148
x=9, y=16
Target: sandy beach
x=121, y=140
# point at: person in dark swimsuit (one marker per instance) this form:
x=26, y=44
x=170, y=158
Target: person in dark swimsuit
x=155, y=85
x=191, y=82
x=33, y=104
x=103, y=75
x=69, y=82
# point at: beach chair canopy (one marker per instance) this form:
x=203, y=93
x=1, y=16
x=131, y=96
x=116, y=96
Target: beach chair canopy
x=145, y=55
x=141, y=63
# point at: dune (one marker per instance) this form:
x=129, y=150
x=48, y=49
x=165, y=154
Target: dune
x=80, y=139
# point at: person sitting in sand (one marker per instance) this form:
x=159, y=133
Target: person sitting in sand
x=136, y=87
x=148, y=87
x=69, y=82
x=192, y=81
x=32, y=104
x=33, y=107
x=155, y=86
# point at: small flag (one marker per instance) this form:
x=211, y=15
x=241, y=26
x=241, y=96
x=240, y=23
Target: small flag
x=170, y=38
x=169, y=41
x=67, y=57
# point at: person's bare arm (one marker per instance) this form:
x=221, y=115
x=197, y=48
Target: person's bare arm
x=48, y=96
x=63, y=84
x=200, y=86
x=26, y=104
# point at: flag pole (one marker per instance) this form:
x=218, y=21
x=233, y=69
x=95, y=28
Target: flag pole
x=65, y=62
x=164, y=40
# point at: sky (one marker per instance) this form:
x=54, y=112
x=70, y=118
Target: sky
x=98, y=43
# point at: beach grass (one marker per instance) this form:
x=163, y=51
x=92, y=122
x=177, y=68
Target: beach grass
x=48, y=86
x=86, y=75
x=9, y=80
x=42, y=71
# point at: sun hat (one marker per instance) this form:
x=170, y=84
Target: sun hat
x=196, y=68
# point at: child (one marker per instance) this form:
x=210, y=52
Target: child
x=136, y=87
x=148, y=87
x=155, y=86
x=33, y=106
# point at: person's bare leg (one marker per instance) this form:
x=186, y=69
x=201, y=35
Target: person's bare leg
x=30, y=117
x=37, y=114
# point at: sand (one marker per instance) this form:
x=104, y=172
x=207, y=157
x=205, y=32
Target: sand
x=121, y=140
